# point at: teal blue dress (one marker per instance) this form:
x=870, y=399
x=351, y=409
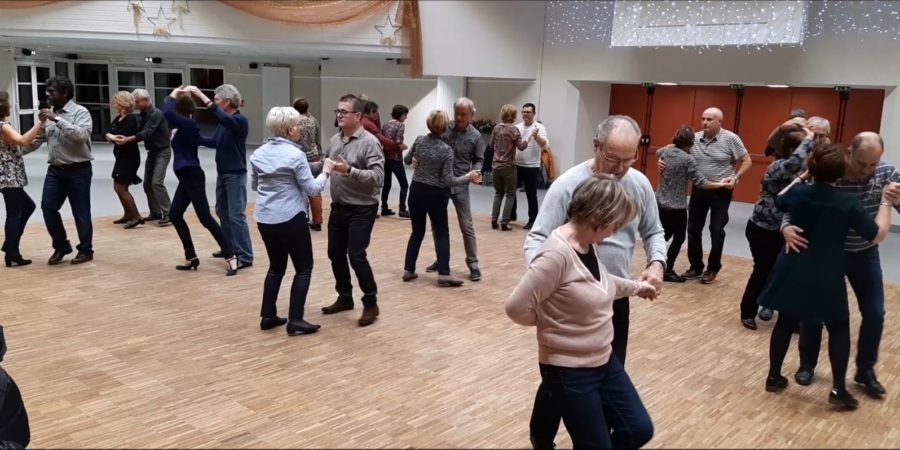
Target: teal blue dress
x=810, y=285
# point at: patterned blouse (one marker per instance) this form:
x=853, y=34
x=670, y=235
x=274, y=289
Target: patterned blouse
x=778, y=176
x=505, y=140
x=310, y=137
x=12, y=166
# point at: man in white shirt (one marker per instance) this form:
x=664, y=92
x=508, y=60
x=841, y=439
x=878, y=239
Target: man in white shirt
x=528, y=161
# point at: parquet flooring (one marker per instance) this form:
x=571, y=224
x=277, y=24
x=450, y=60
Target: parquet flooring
x=127, y=352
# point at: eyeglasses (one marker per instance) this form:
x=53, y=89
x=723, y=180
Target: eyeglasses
x=341, y=112
x=617, y=161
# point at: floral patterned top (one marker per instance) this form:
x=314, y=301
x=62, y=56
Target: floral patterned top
x=12, y=165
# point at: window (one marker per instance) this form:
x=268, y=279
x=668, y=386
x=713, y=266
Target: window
x=207, y=79
x=31, y=94
x=163, y=83
x=129, y=80
x=92, y=91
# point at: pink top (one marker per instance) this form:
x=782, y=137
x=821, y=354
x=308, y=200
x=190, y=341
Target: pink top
x=571, y=309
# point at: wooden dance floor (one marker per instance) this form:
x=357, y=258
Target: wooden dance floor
x=127, y=352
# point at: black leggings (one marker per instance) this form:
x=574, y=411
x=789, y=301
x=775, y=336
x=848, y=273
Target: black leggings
x=838, y=346
x=192, y=189
x=19, y=207
x=674, y=222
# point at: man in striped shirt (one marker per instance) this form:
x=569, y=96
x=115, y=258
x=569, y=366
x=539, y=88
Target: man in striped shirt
x=866, y=176
x=716, y=151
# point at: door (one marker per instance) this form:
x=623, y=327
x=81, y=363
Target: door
x=31, y=95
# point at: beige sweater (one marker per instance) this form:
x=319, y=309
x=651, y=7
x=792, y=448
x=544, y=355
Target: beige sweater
x=571, y=309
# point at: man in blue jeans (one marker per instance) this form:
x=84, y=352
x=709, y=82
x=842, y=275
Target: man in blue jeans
x=67, y=132
x=230, y=142
x=866, y=176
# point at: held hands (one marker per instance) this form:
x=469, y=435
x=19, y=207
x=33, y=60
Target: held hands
x=47, y=114
x=654, y=276
x=474, y=177
x=328, y=166
x=647, y=291
x=891, y=194
x=415, y=163
x=793, y=239
x=403, y=147
x=339, y=166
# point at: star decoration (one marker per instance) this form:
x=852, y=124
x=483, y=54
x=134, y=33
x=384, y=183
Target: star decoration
x=388, y=31
x=161, y=23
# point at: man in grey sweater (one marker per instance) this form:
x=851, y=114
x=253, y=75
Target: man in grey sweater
x=615, y=150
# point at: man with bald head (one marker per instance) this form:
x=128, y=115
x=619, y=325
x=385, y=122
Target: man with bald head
x=867, y=175
x=615, y=150
x=716, y=151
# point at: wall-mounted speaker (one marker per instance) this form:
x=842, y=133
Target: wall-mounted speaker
x=254, y=65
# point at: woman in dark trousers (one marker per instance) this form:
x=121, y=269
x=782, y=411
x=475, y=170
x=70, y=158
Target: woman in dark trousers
x=506, y=141
x=429, y=195
x=128, y=158
x=19, y=206
x=191, y=181
x=790, y=144
x=281, y=176
x=14, y=429
x=809, y=285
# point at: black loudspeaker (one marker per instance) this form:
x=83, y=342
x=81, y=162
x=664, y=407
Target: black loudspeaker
x=254, y=65
x=71, y=56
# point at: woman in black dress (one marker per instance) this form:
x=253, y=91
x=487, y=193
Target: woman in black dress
x=128, y=157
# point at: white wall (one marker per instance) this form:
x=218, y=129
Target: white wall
x=7, y=74
x=482, y=38
x=490, y=95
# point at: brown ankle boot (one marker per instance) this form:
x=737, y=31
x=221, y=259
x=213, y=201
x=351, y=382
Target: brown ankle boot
x=339, y=305
x=370, y=313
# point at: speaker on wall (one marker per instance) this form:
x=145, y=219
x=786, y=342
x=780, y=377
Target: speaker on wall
x=254, y=65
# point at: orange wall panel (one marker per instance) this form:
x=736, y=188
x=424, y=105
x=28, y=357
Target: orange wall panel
x=763, y=109
x=817, y=102
x=628, y=100
x=673, y=106
x=721, y=97
x=863, y=113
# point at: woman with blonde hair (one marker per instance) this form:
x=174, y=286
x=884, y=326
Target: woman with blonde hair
x=505, y=140
x=429, y=195
x=128, y=157
x=567, y=294
x=19, y=206
x=282, y=179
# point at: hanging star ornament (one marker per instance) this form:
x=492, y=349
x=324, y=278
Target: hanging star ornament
x=180, y=8
x=388, y=31
x=161, y=23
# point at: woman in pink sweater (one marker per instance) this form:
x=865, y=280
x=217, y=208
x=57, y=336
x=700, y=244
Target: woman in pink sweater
x=568, y=294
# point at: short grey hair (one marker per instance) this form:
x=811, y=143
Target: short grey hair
x=140, y=93
x=616, y=125
x=281, y=119
x=231, y=94
x=465, y=101
x=818, y=122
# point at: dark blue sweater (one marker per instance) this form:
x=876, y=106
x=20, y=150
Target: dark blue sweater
x=186, y=140
x=229, y=140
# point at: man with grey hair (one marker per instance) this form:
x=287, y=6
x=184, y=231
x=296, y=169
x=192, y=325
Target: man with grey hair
x=615, y=150
x=157, y=139
x=867, y=175
x=230, y=142
x=468, y=154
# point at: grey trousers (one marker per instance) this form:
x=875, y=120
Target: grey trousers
x=155, y=181
x=504, y=188
x=459, y=195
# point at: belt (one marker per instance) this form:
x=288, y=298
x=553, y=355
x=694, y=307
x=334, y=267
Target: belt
x=73, y=166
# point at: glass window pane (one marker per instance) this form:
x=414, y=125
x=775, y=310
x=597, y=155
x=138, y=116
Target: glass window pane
x=88, y=94
x=43, y=73
x=26, y=121
x=131, y=79
x=207, y=78
x=159, y=96
x=42, y=95
x=91, y=74
x=167, y=80
x=62, y=68
x=26, y=100
x=24, y=73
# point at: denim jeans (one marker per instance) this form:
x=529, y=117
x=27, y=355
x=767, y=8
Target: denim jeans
x=73, y=183
x=19, y=207
x=599, y=405
x=431, y=202
x=192, y=190
x=396, y=168
x=231, y=202
x=714, y=202
x=864, y=273
x=765, y=246
x=290, y=239
x=155, y=181
x=349, y=234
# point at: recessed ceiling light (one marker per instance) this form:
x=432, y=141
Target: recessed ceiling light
x=777, y=86
x=667, y=83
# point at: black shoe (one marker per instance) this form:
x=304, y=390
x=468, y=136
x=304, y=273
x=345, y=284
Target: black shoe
x=449, y=281
x=766, y=314
x=339, y=305
x=165, y=221
x=244, y=265
x=297, y=327
x=409, y=276
x=121, y=221
x=231, y=266
x=749, y=324
x=673, y=277
x=57, y=256
x=16, y=260
x=474, y=273
x=192, y=264
x=842, y=400
x=495, y=225
x=387, y=212
x=870, y=384
x=538, y=444
x=82, y=258
x=776, y=384
x=267, y=323
x=369, y=315
x=315, y=226
x=218, y=254
x=528, y=225
x=804, y=376
x=152, y=218
x=505, y=227
x=692, y=274
x=432, y=268
x=133, y=223
x=404, y=214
